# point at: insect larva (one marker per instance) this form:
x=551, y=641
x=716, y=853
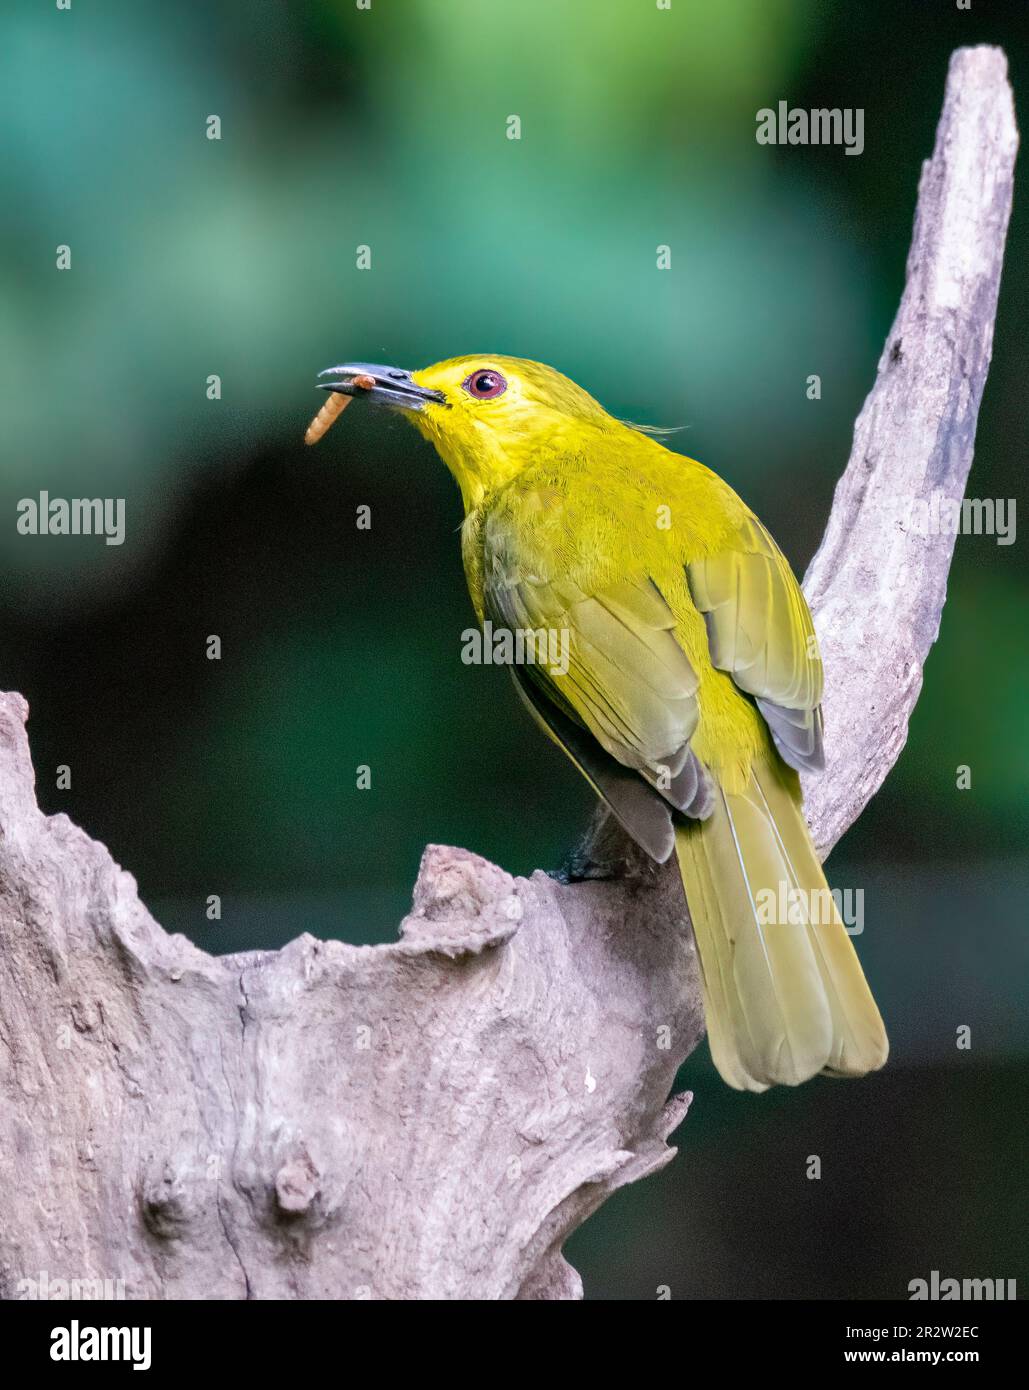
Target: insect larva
x=326, y=417
x=333, y=409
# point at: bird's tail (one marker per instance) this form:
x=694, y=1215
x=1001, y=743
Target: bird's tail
x=784, y=993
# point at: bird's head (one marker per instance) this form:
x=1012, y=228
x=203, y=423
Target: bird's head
x=488, y=415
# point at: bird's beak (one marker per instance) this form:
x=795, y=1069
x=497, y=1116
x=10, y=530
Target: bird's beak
x=380, y=385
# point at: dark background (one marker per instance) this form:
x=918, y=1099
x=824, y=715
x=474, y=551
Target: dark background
x=342, y=647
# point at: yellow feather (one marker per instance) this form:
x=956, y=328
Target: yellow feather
x=692, y=664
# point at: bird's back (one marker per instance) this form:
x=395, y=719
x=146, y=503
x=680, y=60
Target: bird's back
x=599, y=507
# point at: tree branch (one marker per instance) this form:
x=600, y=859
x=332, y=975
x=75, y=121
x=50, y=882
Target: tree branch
x=432, y=1118
x=876, y=587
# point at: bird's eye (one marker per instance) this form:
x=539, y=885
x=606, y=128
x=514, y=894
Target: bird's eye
x=485, y=385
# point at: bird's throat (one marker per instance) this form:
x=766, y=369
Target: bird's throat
x=479, y=461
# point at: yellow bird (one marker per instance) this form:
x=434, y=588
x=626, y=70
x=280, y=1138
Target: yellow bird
x=689, y=689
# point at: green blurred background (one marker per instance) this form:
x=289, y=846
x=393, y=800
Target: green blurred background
x=386, y=128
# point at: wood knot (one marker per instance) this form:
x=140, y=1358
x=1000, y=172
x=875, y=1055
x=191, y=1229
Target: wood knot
x=165, y=1204
x=297, y=1184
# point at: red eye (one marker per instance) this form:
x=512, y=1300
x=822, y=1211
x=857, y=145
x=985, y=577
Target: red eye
x=485, y=385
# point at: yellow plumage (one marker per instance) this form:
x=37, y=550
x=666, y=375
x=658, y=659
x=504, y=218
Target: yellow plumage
x=692, y=690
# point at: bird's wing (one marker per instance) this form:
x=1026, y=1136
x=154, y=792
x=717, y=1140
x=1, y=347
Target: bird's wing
x=619, y=675
x=760, y=631
x=644, y=813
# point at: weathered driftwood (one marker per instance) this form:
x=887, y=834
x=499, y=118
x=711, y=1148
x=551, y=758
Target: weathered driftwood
x=432, y=1118
x=877, y=586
